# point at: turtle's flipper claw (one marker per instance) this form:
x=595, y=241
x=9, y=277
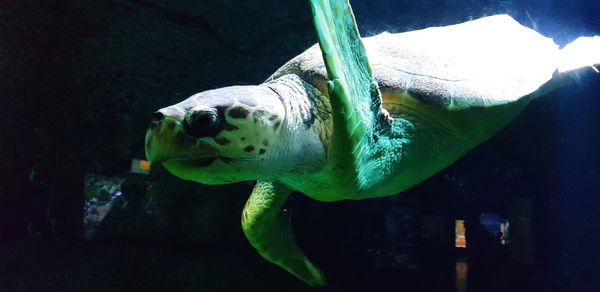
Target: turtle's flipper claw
x=385, y=115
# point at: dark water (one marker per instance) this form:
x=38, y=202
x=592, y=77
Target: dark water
x=79, y=80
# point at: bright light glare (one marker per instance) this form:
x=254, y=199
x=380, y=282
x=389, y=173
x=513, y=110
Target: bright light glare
x=583, y=52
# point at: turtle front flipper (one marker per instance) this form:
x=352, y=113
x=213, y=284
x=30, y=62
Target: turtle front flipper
x=354, y=95
x=268, y=230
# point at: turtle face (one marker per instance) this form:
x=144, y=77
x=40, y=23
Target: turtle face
x=218, y=136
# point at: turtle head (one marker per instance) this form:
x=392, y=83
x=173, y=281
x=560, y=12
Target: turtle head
x=218, y=136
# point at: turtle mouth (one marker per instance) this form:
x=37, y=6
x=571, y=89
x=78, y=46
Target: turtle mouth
x=190, y=161
x=196, y=162
x=205, y=161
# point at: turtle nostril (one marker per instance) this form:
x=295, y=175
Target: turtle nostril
x=203, y=123
x=157, y=117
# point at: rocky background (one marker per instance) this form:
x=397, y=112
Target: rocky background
x=79, y=80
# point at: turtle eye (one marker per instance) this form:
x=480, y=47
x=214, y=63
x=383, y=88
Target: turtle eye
x=157, y=117
x=202, y=123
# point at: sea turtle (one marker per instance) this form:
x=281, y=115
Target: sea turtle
x=335, y=125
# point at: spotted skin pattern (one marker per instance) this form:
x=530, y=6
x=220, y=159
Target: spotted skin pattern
x=241, y=115
x=245, y=128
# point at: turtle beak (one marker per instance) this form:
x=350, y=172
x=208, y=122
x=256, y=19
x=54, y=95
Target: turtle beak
x=166, y=139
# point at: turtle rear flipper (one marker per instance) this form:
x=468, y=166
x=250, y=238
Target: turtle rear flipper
x=354, y=95
x=580, y=57
x=581, y=53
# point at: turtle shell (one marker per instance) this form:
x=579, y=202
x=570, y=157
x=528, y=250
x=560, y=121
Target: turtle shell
x=481, y=63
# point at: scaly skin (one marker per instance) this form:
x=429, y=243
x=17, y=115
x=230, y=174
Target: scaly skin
x=349, y=75
x=267, y=229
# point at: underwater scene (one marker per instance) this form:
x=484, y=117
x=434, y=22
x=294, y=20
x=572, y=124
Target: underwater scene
x=300, y=145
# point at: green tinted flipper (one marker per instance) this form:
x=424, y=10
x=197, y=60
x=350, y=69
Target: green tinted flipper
x=269, y=231
x=354, y=95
